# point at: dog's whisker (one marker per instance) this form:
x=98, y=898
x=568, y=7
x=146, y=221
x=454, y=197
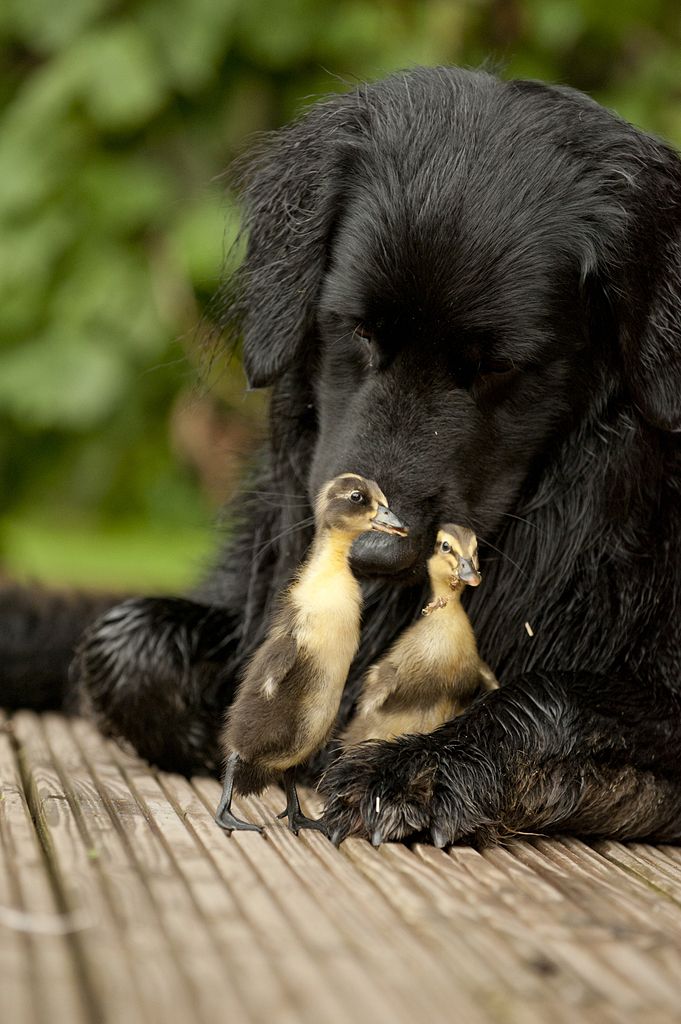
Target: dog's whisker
x=296, y=528
x=273, y=494
x=502, y=553
x=274, y=501
x=509, y=515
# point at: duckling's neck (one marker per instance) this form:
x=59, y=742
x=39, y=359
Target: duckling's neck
x=327, y=595
x=330, y=551
x=442, y=594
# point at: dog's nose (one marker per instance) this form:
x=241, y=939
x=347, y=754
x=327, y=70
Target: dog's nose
x=379, y=554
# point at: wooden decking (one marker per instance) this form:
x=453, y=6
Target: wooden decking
x=121, y=901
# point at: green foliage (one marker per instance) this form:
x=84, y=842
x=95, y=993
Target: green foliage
x=116, y=121
x=120, y=557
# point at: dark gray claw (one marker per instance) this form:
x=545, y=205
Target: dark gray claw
x=377, y=837
x=438, y=837
x=337, y=837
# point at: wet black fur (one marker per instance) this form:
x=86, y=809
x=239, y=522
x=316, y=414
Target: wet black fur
x=513, y=252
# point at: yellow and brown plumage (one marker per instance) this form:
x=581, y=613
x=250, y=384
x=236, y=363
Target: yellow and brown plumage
x=288, y=700
x=433, y=669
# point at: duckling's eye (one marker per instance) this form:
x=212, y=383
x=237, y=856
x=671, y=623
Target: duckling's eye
x=446, y=546
x=357, y=497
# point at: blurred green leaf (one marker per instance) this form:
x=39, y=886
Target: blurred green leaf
x=556, y=24
x=201, y=239
x=61, y=379
x=121, y=194
x=122, y=83
x=38, y=143
x=50, y=26
x=106, y=294
x=123, y=557
x=278, y=33
x=190, y=38
x=29, y=253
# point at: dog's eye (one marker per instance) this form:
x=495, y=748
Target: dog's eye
x=494, y=377
x=368, y=349
x=495, y=367
x=363, y=332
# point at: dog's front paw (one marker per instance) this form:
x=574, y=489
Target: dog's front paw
x=418, y=784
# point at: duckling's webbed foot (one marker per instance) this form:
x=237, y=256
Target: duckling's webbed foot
x=292, y=811
x=223, y=816
x=225, y=819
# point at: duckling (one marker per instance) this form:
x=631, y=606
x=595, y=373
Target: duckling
x=433, y=669
x=289, y=698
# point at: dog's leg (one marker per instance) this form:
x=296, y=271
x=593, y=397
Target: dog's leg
x=539, y=755
x=158, y=672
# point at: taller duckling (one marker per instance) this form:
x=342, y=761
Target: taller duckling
x=433, y=669
x=289, y=698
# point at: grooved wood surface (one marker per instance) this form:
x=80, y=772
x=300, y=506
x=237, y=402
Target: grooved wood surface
x=121, y=901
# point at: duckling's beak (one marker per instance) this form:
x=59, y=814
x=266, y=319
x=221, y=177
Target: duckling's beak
x=386, y=522
x=468, y=573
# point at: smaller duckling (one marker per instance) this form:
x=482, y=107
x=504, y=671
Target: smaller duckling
x=433, y=670
x=289, y=698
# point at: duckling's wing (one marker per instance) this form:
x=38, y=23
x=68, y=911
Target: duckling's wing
x=488, y=680
x=379, y=683
x=272, y=662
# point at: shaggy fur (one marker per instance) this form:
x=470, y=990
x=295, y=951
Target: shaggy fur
x=470, y=291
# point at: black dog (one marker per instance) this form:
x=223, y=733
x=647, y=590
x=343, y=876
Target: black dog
x=470, y=291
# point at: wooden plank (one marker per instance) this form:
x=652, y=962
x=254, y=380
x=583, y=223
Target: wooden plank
x=186, y=859
x=489, y=968
x=329, y=982
x=177, y=922
x=522, y=904
x=656, y=867
x=603, y=922
x=64, y=805
x=144, y=960
x=35, y=912
x=541, y=911
x=387, y=983
x=496, y=926
x=203, y=983
x=367, y=927
x=230, y=898
x=430, y=973
x=628, y=900
x=16, y=973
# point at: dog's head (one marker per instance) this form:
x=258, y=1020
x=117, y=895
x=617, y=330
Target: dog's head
x=464, y=268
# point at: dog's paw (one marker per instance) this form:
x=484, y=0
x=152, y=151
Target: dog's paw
x=419, y=784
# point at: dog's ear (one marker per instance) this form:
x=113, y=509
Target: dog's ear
x=292, y=191
x=633, y=242
x=645, y=284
